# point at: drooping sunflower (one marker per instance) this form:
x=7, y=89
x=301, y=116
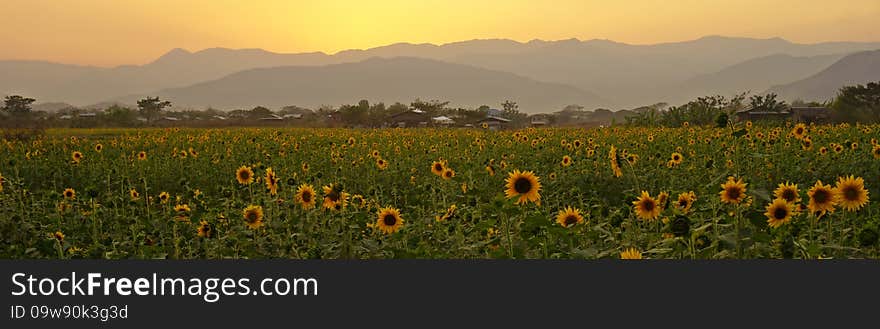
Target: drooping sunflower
x=253, y=216
x=69, y=193
x=566, y=161
x=615, y=162
x=205, y=229
x=389, y=220
x=271, y=181
x=851, y=192
x=788, y=192
x=676, y=158
x=164, y=197
x=569, y=217
x=823, y=198
x=448, y=173
x=334, y=197
x=437, y=167
x=646, y=207
x=525, y=185
x=630, y=253
x=779, y=212
x=244, y=175
x=76, y=156
x=142, y=155
x=305, y=196
x=685, y=201
x=733, y=191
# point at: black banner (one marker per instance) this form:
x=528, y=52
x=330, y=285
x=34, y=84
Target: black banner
x=411, y=293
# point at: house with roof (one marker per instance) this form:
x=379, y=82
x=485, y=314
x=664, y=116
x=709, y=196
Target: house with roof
x=759, y=114
x=410, y=118
x=443, y=121
x=494, y=122
x=807, y=114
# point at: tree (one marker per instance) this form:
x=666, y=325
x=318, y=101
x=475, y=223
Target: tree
x=859, y=103
x=432, y=108
x=767, y=103
x=16, y=104
x=151, y=107
x=119, y=115
x=510, y=107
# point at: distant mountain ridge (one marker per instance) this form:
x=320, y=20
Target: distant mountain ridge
x=624, y=74
x=858, y=68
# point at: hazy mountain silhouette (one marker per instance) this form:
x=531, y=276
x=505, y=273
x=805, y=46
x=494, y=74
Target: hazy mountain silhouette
x=629, y=75
x=754, y=75
x=377, y=80
x=858, y=68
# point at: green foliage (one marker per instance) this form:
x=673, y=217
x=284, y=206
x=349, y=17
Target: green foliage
x=859, y=103
x=151, y=107
x=17, y=105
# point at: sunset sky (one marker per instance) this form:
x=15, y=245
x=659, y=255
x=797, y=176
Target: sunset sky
x=115, y=32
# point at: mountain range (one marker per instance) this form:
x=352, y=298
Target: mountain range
x=542, y=76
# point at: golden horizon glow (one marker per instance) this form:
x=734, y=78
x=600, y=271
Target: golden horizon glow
x=112, y=32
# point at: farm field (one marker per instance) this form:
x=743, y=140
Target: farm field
x=745, y=191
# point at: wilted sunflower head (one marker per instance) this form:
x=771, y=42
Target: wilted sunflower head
x=779, y=212
x=851, y=193
x=788, y=192
x=389, y=220
x=646, y=207
x=569, y=217
x=525, y=185
x=58, y=236
x=733, y=191
x=253, y=216
x=244, y=175
x=823, y=198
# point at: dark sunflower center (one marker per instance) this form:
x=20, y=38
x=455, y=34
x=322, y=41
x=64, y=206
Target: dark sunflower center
x=789, y=195
x=570, y=219
x=675, y=157
x=389, y=220
x=244, y=175
x=648, y=205
x=780, y=213
x=307, y=196
x=682, y=203
x=733, y=193
x=438, y=167
x=522, y=185
x=251, y=217
x=821, y=196
x=850, y=193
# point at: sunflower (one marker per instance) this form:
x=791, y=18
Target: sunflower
x=334, y=197
x=99, y=147
x=566, y=161
x=77, y=156
x=876, y=151
x=374, y=153
x=838, y=148
x=244, y=175
x=305, y=167
x=779, y=212
x=823, y=198
x=253, y=216
x=142, y=155
x=133, y=193
x=448, y=173
x=381, y=163
x=646, y=207
x=676, y=158
x=437, y=167
x=164, y=196
x=615, y=162
x=388, y=220
x=525, y=185
x=851, y=193
x=787, y=192
x=69, y=193
x=489, y=170
x=733, y=191
x=58, y=236
x=630, y=253
x=823, y=150
x=685, y=201
x=205, y=229
x=569, y=217
x=271, y=181
x=305, y=196
x=182, y=211
x=662, y=200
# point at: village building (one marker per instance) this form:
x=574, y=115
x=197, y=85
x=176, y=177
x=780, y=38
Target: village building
x=410, y=118
x=810, y=114
x=494, y=122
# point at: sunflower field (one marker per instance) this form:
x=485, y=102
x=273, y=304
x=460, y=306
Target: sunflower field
x=744, y=191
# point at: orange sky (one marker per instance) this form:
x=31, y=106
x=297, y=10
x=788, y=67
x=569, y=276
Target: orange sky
x=115, y=32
